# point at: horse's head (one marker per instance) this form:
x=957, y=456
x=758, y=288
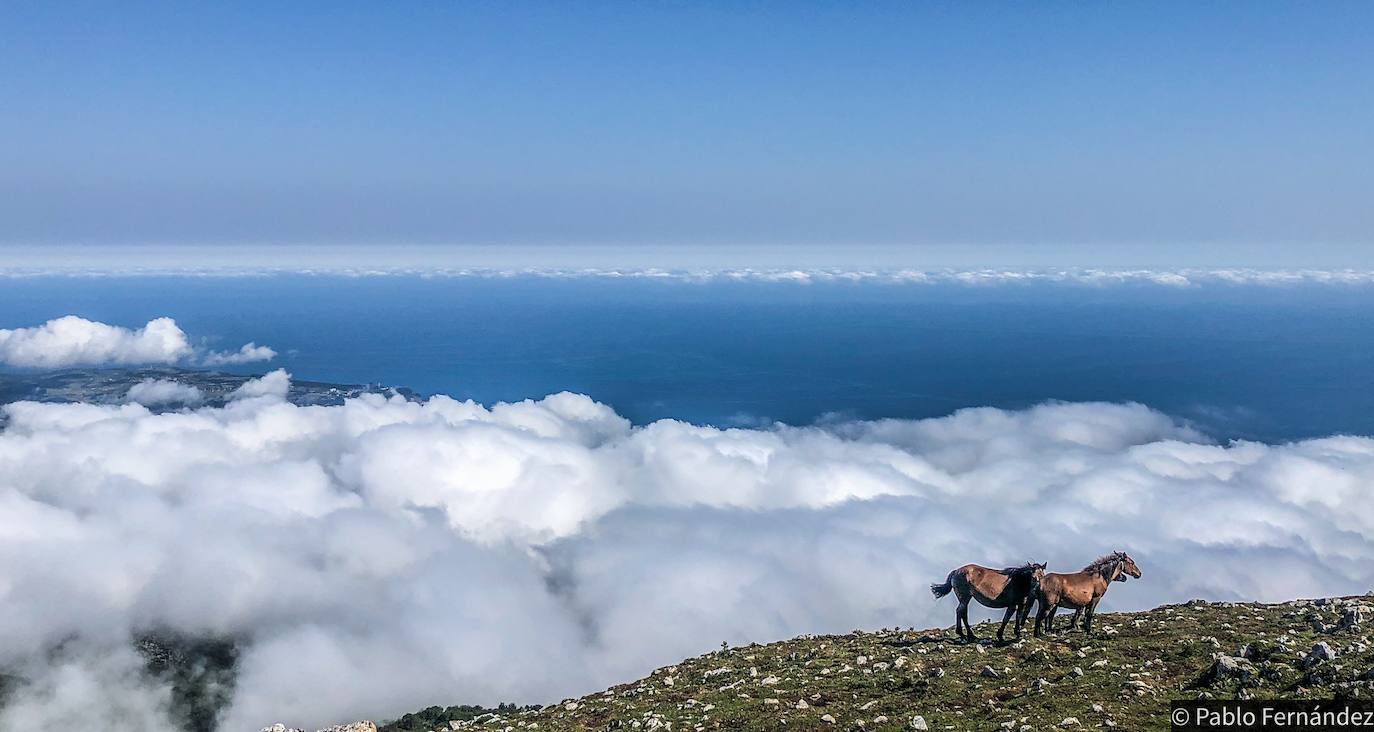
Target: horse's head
x=1037, y=571
x=1127, y=567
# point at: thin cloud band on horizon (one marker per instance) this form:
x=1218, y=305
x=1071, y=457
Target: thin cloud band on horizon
x=987, y=276
x=849, y=256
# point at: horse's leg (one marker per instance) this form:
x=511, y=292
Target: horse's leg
x=1040, y=616
x=963, y=609
x=1073, y=622
x=959, y=584
x=1011, y=610
x=1088, y=616
x=1021, y=616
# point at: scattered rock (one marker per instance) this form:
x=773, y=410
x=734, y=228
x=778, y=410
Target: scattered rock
x=1229, y=668
x=363, y=726
x=1353, y=617
x=989, y=672
x=1320, y=652
x=918, y=722
x=1069, y=722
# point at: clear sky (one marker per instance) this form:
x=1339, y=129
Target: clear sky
x=1202, y=132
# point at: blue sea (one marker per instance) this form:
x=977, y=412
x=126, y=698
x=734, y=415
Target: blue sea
x=1273, y=363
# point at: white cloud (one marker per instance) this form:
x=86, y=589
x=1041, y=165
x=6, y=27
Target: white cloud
x=74, y=341
x=273, y=384
x=989, y=276
x=384, y=555
x=101, y=688
x=158, y=392
x=248, y=353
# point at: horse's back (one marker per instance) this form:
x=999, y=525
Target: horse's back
x=1058, y=587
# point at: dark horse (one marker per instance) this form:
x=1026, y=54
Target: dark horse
x=1012, y=588
x=1081, y=590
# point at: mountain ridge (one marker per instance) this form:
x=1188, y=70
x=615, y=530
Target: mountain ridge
x=1123, y=676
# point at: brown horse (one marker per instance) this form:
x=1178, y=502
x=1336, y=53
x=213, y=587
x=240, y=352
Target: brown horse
x=1081, y=590
x=1012, y=588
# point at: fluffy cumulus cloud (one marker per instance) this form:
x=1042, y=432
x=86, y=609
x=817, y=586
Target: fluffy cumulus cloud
x=273, y=384
x=163, y=392
x=383, y=555
x=73, y=341
x=247, y=353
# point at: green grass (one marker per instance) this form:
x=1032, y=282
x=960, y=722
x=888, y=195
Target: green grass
x=1123, y=676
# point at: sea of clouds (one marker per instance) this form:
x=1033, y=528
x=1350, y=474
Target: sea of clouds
x=384, y=555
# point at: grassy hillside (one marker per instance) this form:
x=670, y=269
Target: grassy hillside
x=1123, y=676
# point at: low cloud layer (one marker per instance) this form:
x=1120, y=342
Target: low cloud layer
x=73, y=341
x=384, y=555
x=987, y=276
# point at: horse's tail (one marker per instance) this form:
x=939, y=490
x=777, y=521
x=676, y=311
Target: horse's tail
x=940, y=591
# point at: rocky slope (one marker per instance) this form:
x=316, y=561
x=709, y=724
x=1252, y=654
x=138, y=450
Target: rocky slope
x=1122, y=677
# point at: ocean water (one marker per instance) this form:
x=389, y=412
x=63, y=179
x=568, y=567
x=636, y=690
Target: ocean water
x=1239, y=361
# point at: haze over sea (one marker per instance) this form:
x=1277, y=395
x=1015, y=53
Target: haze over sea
x=1237, y=360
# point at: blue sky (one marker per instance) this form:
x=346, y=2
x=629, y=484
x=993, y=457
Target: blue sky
x=1073, y=133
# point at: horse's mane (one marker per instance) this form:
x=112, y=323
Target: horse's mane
x=1027, y=568
x=1102, y=562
